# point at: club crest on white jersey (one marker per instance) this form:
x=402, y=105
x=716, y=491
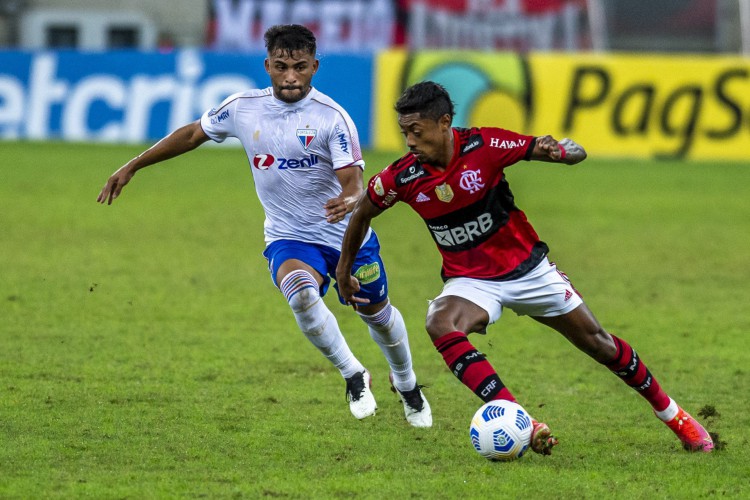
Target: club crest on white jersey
x=306, y=136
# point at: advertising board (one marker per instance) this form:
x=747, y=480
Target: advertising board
x=647, y=106
x=129, y=96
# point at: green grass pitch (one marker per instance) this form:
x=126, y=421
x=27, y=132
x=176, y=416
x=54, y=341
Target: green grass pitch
x=144, y=352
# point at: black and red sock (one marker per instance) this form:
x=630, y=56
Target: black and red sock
x=471, y=367
x=633, y=371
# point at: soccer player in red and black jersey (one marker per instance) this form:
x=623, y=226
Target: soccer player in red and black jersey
x=492, y=257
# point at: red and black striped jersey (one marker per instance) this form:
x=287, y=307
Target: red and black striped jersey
x=468, y=208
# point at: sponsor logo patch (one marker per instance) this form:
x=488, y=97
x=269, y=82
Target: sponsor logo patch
x=475, y=141
x=389, y=197
x=263, y=162
x=368, y=273
x=266, y=161
x=410, y=174
x=220, y=117
x=505, y=144
x=453, y=236
x=342, y=138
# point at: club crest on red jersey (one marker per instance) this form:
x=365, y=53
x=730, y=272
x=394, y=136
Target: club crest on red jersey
x=306, y=136
x=470, y=181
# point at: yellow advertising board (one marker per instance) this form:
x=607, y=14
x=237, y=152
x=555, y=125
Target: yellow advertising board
x=695, y=107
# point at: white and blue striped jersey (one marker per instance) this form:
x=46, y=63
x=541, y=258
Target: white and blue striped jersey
x=294, y=150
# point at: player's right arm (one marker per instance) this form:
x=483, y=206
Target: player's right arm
x=364, y=211
x=180, y=141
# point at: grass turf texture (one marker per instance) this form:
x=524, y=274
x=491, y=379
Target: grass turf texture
x=146, y=354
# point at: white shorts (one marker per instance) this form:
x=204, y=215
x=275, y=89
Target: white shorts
x=544, y=291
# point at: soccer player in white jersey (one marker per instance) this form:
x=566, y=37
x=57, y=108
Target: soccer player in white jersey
x=307, y=166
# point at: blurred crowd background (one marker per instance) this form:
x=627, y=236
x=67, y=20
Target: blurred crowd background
x=703, y=26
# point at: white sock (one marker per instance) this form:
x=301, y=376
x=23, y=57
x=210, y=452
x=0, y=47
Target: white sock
x=669, y=412
x=317, y=322
x=388, y=330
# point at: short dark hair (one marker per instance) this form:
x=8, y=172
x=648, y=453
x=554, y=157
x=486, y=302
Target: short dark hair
x=429, y=99
x=290, y=38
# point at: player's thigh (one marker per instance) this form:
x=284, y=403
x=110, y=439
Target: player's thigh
x=583, y=330
x=451, y=313
x=286, y=256
x=484, y=295
x=543, y=292
x=291, y=265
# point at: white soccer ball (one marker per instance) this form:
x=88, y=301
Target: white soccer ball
x=501, y=430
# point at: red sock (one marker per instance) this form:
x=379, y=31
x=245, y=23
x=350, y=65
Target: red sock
x=471, y=367
x=628, y=366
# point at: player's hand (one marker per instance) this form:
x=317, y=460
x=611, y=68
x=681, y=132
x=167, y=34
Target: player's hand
x=114, y=185
x=336, y=209
x=348, y=286
x=549, y=145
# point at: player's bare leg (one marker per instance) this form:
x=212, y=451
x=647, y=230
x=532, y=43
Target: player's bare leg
x=582, y=329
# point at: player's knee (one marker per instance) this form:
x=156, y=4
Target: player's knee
x=599, y=345
x=606, y=348
x=303, y=300
x=300, y=289
x=380, y=320
x=438, y=325
x=310, y=312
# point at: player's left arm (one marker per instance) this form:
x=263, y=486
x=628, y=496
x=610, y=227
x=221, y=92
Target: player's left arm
x=567, y=151
x=364, y=211
x=350, y=179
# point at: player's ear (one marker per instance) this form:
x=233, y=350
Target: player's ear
x=445, y=121
x=267, y=65
x=316, y=64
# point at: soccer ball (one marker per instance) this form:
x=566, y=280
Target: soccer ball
x=501, y=430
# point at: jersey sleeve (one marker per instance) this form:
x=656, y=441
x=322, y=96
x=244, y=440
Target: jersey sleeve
x=219, y=123
x=343, y=142
x=507, y=147
x=382, y=189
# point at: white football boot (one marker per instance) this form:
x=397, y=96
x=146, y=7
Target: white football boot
x=416, y=407
x=361, y=401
